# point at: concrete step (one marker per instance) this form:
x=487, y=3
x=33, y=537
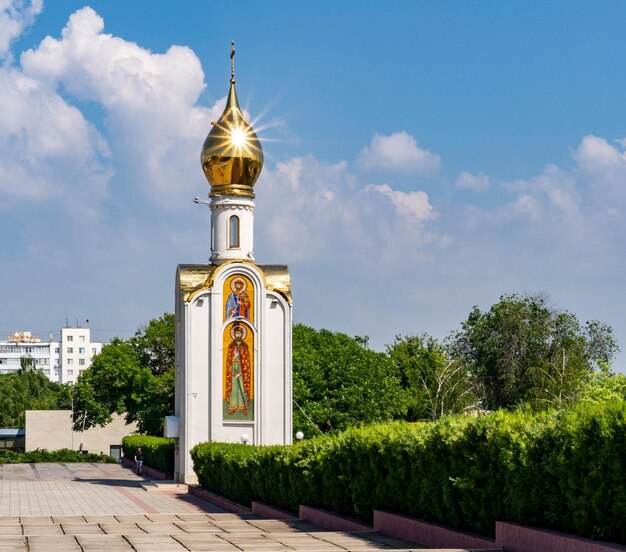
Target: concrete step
x=168, y=486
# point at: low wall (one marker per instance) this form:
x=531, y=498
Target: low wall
x=332, y=521
x=219, y=501
x=271, y=512
x=52, y=430
x=520, y=538
x=428, y=534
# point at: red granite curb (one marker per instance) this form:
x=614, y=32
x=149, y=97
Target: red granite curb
x=271, y=512
x=521, y=538
x=217, y=500
x=429, y=534
x=332, y=521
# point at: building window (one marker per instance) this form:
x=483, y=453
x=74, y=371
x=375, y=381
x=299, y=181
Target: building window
x=93, y=351
x=233, y=232
x=70, y=372
x=70, y=361
x=81, y=350
x=56, y=350
x=70, y=350
x=70, y=338
x=81, y=338
x=81, y=361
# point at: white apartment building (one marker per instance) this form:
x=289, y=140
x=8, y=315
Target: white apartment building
x=62, y=361
x=76, y=352
x=23, y=344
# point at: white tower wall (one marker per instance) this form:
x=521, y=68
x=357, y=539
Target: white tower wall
x=225, y=246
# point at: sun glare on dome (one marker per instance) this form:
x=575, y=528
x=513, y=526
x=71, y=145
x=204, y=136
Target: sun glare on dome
x=238, y=137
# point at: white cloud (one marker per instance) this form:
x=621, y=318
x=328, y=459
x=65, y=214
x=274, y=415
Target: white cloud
x=320, y=210
x=413, y=206
x=15, y=17
x=398, y=153
x=47, y=148
x=553, y=191
x=597, y=157
x=153, y=124
x=602, y=171
x=478, y=182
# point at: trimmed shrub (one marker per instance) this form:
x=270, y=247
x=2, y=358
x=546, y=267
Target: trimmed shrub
x=61, y=455
x=561, y=470
x=158, y=452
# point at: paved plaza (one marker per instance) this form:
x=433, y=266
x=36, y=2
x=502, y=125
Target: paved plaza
x=105, y=507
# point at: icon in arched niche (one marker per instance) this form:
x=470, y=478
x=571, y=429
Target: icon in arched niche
x=238, y=392
x=238, y=297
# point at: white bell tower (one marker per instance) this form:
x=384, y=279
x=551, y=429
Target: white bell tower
x=233, y=316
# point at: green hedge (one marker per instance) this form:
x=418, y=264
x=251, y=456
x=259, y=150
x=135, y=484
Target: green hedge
x=565, y=471
x=158, y=452
x=61, y=455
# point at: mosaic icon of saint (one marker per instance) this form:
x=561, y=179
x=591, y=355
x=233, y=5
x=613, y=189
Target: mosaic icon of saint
x=238, y=372
x=238, y=303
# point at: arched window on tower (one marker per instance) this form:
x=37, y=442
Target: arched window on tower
x=233, y=232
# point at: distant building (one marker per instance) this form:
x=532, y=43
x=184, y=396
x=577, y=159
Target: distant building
x=62, y=361
x=75, y=354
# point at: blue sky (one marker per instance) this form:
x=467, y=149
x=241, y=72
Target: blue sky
x=421, y=158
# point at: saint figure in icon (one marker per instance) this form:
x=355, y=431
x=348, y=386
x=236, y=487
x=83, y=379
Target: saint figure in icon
x=238, y=372
x=238, y=303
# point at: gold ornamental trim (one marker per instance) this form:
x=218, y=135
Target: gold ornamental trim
x=192, y=280
x=277, y=279
x=238, y=190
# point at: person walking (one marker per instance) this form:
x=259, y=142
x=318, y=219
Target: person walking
x=139, y=460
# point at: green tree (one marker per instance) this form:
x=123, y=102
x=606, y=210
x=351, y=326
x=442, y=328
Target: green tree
x=604, y=386
x=121, y=380
x=29, y=389
x=155, y=344
x=523, y=351
x=339, y=382
x=435, y=384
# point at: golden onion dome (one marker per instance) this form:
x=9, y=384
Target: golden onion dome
x=232, y=157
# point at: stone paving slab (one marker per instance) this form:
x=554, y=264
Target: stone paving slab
x=12, y=543
x=10, y=530
x=42, y=529
x=84, y=529
x=103, y=543
x=122, y=529
x=162, y=543
x=48, y=543
x=160, y=528
x=200, y=544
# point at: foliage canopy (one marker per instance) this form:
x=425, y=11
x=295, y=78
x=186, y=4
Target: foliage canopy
x=29, y=389
x=338, y=381
x=135, y=377
x=521, y=351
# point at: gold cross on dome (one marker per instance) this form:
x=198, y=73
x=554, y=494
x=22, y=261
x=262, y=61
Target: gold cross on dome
x=232, y=61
